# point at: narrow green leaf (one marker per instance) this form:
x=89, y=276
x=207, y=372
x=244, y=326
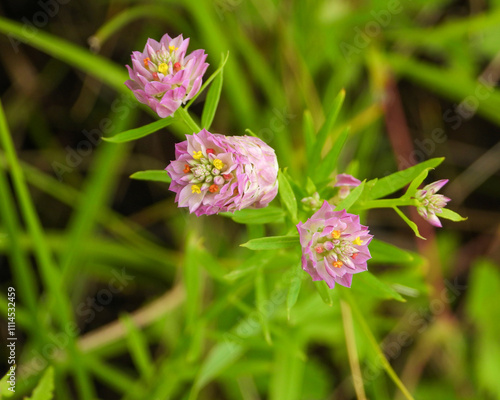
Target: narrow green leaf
x=219, y=358
x=152, y=175
x=212, y=265
x=50, y=273
x=100, y=67
x=114, y=377
x=183, y=113
x=138, y=347
x=260, y=302
x=391, y=183
x=287, y=196
x=374, y=344
x=192, y=282
x=207, y=82
x=293, y=290
x=255, y=261
x=118, y=21
x=212, y=102
x=272, y=242
x=351, y=198
x=325, y=292
x=451, y=215
x=308, y=130
x=410, y=223
x=5, y=385
x=259, y=216
x=45, y=388
x=383, y=252
x=287, y=374
x=327, y=127
x=197, y=342
x=137, y=133
x=412, y=189
x=329, y=164
x=366, y=282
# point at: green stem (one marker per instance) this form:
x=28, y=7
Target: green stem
x=387, y=203
x=188, y=120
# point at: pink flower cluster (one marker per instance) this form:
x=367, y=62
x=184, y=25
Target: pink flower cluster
x=163, y=77
x=213, y=173
x=334, y=246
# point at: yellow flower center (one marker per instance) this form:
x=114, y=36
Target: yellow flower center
x=337, y=264
x=195, y=189
x=197, y=154
x=172, y=48
x=357, y=241
x=163, y=68
x=335, y=234
x=218, y=164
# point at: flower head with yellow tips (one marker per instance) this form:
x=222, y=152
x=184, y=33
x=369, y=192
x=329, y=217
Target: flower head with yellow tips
x=214, y=173
x=163, y=76
x=334, y=246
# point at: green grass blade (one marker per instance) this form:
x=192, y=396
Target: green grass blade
x=45, y=388
x=124, y=18
x=193, y=283
x=49, y=271
x=70, y=53
x=329, y=163
x=24, y=277
x=99, y=188
x=286, y=381
x=294, y=289
x=207, y=82
x=137, y=133
x=5, y=385
x=287, y=196
x=261, y=301
x=138, y=347
x=213, y=97
x=308, y=131
x=373, y=342
x=326, y=128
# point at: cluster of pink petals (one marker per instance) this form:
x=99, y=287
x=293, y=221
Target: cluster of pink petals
x=163, y=77
x=214, y=173
x=334, y=246
x=432, y=203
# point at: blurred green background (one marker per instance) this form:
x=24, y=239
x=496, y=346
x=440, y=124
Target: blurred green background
x=129, y=297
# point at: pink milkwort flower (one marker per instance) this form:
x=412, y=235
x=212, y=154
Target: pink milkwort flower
x=334, y=246
x=432, y=203
x=163, y=77
x=346, y=182
x=213, y=173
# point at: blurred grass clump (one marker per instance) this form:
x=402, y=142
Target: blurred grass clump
x=121, y=295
